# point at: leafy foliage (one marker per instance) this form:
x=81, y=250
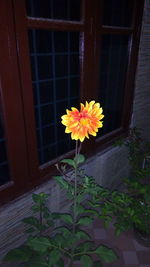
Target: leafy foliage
x=106, y=254
x=69, y=240
x=22, y=254
x=130, y=208
x=86, y=261
x=138, y=152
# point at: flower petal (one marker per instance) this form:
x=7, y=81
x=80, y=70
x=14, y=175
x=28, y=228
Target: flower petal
x=84, y=122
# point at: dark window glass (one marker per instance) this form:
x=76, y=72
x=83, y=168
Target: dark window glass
x=61, y=89
x=46, y=92
x=113, y=66
x=61, y=65
x=64, y=145
x=47, y=114
x=43, y=41
x=44, y=64
x=56, y=82
x=4, y=170
x=74, y=102
x=118, y=12
x=32, y=67
x=54, y=9
x=48, y=135
x=74, y=64
x=61, y=42
x=74, y=85
x=49, y=153
x=74, y=41
x=61, y=109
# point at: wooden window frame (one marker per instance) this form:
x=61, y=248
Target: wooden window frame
x=16, y=75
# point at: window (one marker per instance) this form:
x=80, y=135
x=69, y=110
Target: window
x=113, y=66
x=54, y=57
x=4, y=169
x=56, y=54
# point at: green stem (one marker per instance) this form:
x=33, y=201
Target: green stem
x=74, y=206
x=79, y=148
x=61, y=249
x=41, y=217
x=75, y=191
x=83, y=253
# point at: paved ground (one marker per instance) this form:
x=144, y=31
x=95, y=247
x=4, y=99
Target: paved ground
x=131, y=253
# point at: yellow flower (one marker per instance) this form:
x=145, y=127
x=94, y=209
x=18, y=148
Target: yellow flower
x=84, y=122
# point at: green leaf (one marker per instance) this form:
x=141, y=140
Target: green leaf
x=69, y=162
x=86, y=261
x=97, y=264
x=80, y=234
x=106, y=223
x=18, y=254
x=46, y=215
x=35, y=208
x=46, y=211
x=93, y=205
x=36, y=198
x=49, y=222
x=31, y=220
x=63, y=216
x=80, y=209
x=38, y=261
x=55, y=215
x=66, y=232
x=85, y=246
x=54, y=256
x=30, y=230
x=118, y=231
x=106, y=254
x=118, y=142
x=43, y=196
x=66, y=218
x=92, y=211
x=59, y=239
x=79, y=159
x=85, y=220
x=79, y=198
x=39, y=244
x=60, y=263
x=59, y=179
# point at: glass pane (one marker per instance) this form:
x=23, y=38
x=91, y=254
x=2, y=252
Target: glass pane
x=56, y=81
x=4, y=171
x=118, y=12
x=54, y=9
x=113, y=65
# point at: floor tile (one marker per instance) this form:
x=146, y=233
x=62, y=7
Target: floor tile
x=139, y=247
x=100, y=234
x=130, y=257
x=129, y=251
x=124, y=243
x=144, y=257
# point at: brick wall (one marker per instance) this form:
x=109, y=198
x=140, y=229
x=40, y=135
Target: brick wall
x=141, y=107
x=102, y=166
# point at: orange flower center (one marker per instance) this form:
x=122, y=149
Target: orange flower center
x=83, y=118
x=84, y=121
